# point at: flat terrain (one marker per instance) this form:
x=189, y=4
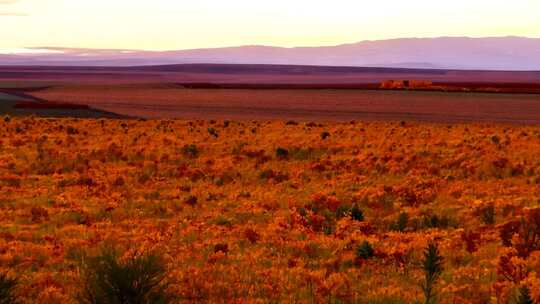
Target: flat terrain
x=262, y=212
x=244, y=92
x=260, y=74
x=281, y=185
x=175, y=101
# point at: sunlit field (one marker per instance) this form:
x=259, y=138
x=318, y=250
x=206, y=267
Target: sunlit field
x=273, y=212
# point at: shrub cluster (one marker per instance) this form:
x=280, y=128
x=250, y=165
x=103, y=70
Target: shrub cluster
x=140, y=279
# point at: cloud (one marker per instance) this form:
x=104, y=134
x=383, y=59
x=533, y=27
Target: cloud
x=7, y=14
x=10, y=14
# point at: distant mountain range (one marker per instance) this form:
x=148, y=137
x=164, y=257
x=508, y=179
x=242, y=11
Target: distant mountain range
x=500, y=53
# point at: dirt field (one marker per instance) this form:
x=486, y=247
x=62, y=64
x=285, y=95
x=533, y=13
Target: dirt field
x=169, y=101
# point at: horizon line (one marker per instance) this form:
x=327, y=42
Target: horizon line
x=44, y=49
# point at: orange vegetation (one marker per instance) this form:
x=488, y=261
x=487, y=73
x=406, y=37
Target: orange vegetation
x=426, y=85
x=406, y=84
x=273, y=211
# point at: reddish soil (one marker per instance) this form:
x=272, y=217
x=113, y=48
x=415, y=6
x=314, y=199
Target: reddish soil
x=50, y=105
x=168, y=101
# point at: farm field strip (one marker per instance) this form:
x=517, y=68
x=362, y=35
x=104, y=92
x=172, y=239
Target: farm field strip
x=341, y=105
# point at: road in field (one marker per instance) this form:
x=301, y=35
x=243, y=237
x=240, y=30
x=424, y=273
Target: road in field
x=8, y=107
x=338, y=105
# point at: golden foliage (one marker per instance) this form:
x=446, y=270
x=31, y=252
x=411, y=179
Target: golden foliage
x=237, y=223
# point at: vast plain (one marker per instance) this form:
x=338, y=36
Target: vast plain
x=214, y=91
x=312, y=186
x=273, y=211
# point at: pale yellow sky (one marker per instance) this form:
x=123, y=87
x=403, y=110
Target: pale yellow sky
x=180, y=24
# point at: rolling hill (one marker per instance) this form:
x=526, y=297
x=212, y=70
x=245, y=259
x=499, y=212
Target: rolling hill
x=499, y=53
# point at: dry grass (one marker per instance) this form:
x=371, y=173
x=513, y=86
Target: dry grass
x=238, y=220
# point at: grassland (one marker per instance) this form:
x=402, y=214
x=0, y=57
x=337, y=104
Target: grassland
x=266, y=212
x=310, y=190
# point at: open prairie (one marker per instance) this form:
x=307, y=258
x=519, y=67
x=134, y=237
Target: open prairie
x=268, y=192
x=268, y=212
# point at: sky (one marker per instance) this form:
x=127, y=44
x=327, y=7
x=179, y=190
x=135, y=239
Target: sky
x=182, y=24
